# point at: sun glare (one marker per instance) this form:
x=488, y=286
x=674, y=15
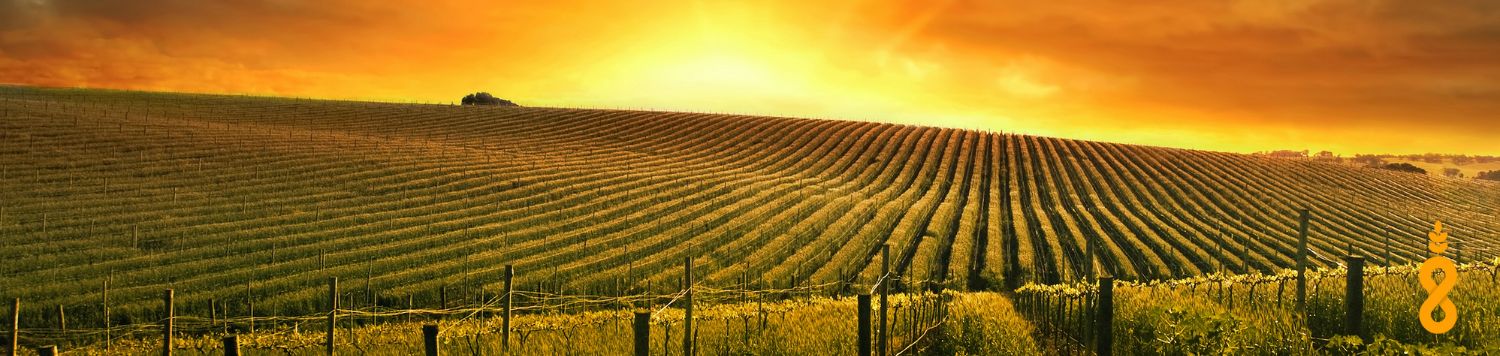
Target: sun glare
x=719, y=70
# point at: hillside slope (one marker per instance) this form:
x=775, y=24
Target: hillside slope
x=219, y=196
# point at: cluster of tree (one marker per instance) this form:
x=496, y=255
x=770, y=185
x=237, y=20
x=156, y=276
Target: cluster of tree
x=1439, y=158
x=483, y=98
x=1379, y=160
x=1451, y=172
x=1404, y=167
x=1283, y=154
x=1490, y=175
x=1326, y=156
x=1369, y=160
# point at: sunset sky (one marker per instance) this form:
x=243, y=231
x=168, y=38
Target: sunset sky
x=1242, y=76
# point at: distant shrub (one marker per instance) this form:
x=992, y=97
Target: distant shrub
x=483, y=98
x=1490, y=175
x=1369, y=160
x=1284, y=154
x=1452, y=172
x=1404, y=167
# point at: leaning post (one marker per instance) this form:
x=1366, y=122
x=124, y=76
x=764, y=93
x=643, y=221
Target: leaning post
x=885, y=289
x=15, y=327
x=1302, y=217
x=687, y=307
x=104, y=302
x=510, y=272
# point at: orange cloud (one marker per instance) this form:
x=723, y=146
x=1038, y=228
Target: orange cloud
x=1351, y=76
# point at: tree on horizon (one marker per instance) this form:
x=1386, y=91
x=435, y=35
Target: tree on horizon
x=484, y=98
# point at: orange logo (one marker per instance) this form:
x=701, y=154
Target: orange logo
x=1437, y=292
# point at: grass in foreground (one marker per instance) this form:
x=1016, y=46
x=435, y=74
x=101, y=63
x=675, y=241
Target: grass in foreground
x=965, y=323
x=1258, y=314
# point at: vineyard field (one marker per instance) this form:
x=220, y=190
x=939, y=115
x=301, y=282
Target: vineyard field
x=223, y=197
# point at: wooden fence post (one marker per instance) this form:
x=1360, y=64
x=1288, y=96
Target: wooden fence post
x=863, y=303
x=231, y=345
x=15, y=327
x=430, y=339
x=1012, y=260
x=885, y=290
x=1458, y=253
x=1089, y=268
x=1245, y=253
x=1387, y=259
x=62, y=319
x=250, y=314
x=249, y=308
x=687, y=307
x=371, y=301
x=642, y=328
x=352, y=306
x=1302, y=218
x=1354, y=297
x=510, y=273
x=104, y=301
x=333, y=310
x=1103, y=323
x=166, y=330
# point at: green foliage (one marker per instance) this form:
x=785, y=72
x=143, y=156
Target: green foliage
x=1404, y=167
x=1257, y=314
x=1383, y=345
x=978, y=324
x=1488, y=175
x=483, y=98
x=1344, y=344
x=1186, y=324
x=985, y=324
